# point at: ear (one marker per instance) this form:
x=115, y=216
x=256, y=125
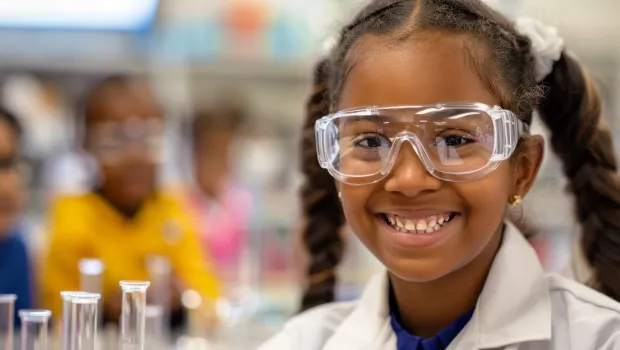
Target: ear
x=527, y=164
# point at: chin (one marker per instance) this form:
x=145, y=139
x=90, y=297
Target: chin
x=418, y=270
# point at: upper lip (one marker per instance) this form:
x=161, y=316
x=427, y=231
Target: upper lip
x=417, y=212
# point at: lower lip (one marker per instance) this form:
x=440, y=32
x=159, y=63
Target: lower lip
x=417, y=240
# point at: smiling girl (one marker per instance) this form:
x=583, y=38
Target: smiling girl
x=427, y=144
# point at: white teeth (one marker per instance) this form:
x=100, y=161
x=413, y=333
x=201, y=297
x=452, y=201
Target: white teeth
x=410, y=225
x=421, y=226
x=432, y=221
x=428, y=225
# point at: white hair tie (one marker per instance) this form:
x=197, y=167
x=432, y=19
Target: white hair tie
x=547, y=45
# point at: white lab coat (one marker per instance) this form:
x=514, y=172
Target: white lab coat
x=520, y=308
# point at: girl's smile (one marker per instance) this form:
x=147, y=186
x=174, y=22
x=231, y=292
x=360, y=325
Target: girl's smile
x=415, y=229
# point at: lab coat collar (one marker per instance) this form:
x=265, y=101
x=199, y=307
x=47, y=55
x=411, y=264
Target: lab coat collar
x=514, y=306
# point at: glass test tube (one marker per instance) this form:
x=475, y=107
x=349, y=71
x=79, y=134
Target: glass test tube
x=91, y=277
x=7, y=310
x=79, y=320
x=133, y=314
x=34, y=329
x=153, y=325
x=160, y=275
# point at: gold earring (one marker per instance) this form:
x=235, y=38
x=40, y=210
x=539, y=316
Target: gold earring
x=516, y=200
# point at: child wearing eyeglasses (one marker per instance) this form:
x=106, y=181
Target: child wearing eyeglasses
x=421, y=118
x=126, y=219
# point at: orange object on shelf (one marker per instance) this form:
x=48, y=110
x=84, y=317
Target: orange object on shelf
x=247, y=16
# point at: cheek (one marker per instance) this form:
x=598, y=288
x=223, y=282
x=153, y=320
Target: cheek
x=486, y=201
x=358, y=218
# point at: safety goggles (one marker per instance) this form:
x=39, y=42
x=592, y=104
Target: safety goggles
x=456, y=142
x=114, y=141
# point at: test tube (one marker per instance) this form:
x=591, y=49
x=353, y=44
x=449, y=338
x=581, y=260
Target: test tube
x=133, y=314
x=7, y=310
x=153, y=325
x=91, y=272
x=34, y=329
x=90, y=275
x=160, y=275
x=79, y=320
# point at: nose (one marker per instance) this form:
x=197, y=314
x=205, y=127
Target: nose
x=136, y=150
x=409, y=176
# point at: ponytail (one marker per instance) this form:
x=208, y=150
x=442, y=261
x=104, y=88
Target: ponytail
x=321, y=205
x=572, y=111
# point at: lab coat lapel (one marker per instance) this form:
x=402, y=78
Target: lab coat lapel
x=368, y=326
x=514, y=306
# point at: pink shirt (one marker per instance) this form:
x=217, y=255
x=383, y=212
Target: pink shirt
x=223, y=224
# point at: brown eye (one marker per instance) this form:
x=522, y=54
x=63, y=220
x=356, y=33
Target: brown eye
x=372, y=141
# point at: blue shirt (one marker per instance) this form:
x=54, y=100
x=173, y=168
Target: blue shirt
x=15, y=271
x=441, y=341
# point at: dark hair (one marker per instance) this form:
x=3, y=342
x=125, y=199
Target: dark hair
x=566, y=99
x=13, y=121
x=324, y=216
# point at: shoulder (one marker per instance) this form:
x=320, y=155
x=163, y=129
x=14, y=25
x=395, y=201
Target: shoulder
x=13, y=245
x=173, y=209
x=71, y=210
x=72, y=202
x=311, y=329
x=581, y=295
x=71, y=217
x=173, y=200
x=589, y=317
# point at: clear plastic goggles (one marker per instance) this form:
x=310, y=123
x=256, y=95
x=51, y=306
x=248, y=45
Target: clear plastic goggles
x=456, y=142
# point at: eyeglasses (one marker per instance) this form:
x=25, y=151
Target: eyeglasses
x=457, y=142
x=111, y=140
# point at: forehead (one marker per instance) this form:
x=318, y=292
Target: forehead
x=411, y=73
x=119, y=103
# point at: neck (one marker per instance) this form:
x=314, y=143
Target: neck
x=216, y=188
x=127, y=211
x=426, y=308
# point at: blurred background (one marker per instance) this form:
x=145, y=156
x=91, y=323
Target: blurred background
x=251, y=59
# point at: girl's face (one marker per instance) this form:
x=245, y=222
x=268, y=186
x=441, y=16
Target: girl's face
x=418, y=73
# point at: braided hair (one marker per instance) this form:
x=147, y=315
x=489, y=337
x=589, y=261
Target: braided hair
x=320, y=204
x=568, y=103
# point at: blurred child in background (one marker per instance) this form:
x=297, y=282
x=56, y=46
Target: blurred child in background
x=124, y=220
x=222, y=206
x=15, y=267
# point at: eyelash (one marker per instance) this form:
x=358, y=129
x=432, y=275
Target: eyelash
x=365, y=137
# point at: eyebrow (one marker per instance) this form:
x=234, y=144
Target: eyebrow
x=356, y=119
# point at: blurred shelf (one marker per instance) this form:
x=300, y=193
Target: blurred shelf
x=297, y=72
x=72, y=67
x=285, y=72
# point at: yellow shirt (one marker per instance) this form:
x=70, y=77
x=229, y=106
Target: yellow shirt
x=87, y=226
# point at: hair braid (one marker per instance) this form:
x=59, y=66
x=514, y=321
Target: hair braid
x=320, y=203
x=572, y=110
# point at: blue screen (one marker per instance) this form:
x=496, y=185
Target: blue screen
x=114, y=15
